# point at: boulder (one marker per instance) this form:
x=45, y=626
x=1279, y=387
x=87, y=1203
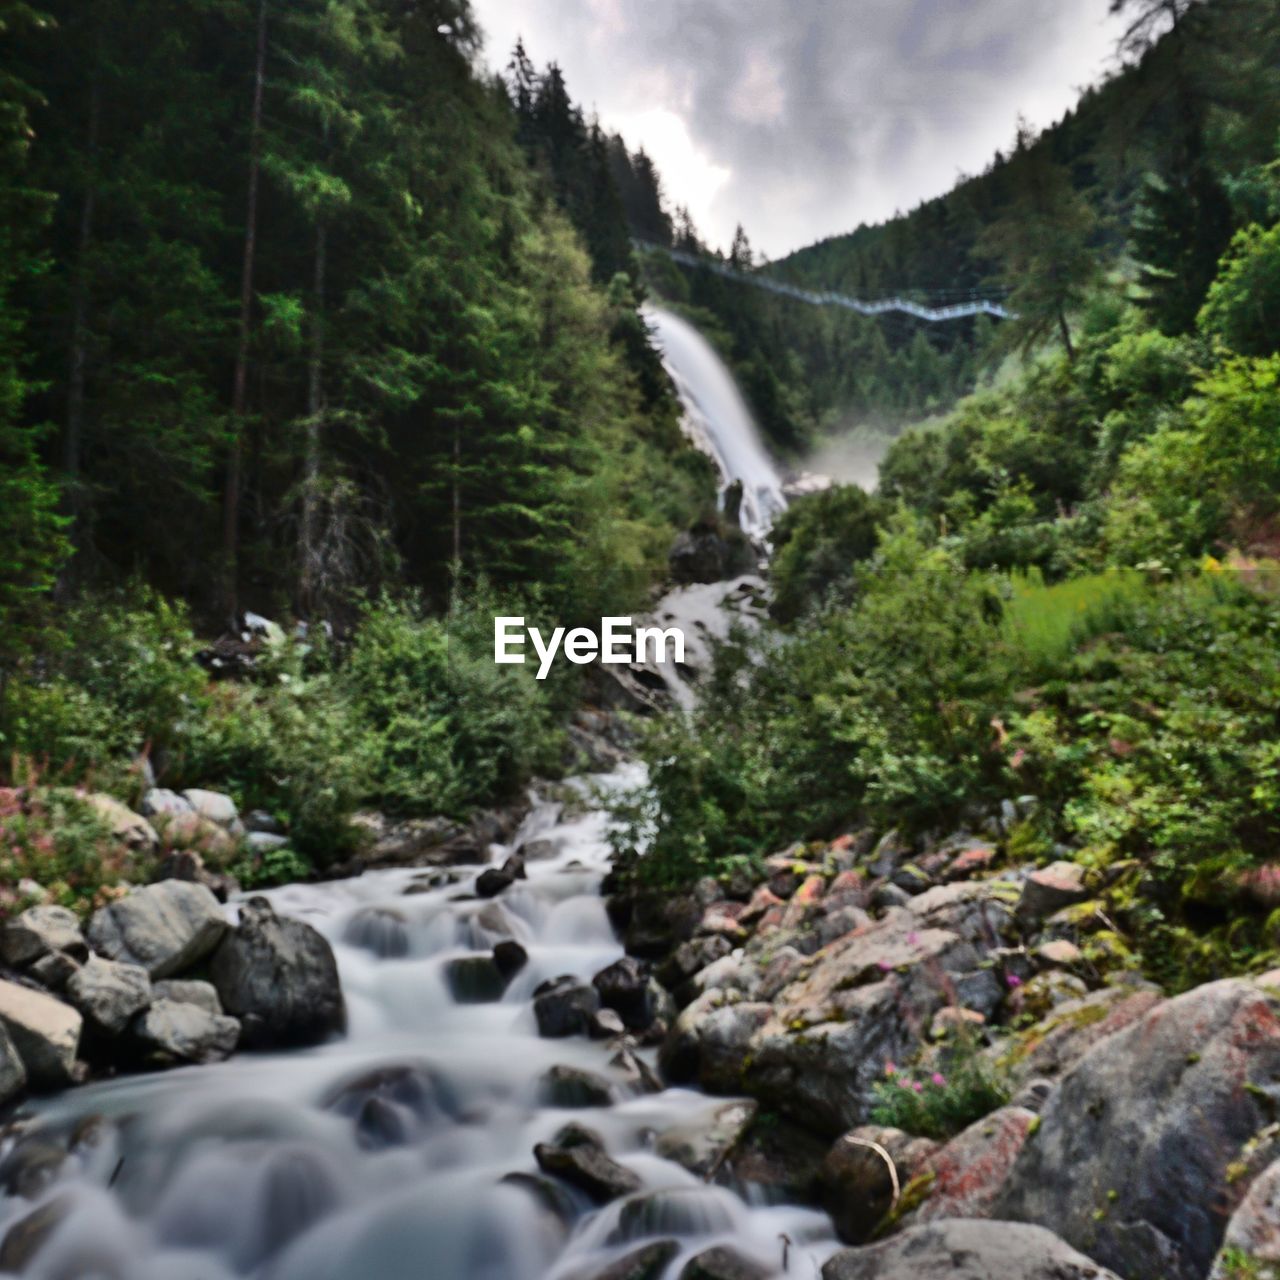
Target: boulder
x=162, y=803
x=509, y=957
x=577, y=1156
x=165, y=927
x=1251, y=1247
x=564, y=1007
x=280, y=978
x=775, y=1162
x=723, y=1263
x=189, y=866
x=1055, y=1044
x=28, y=1235
x=1060, y=884
x=864, y=1174
x=13, y=1075
x=188, y=991
x=704, y=1143
x=1132, y=1160
x=41, y=931
x=967, y=1175
x=44, y=1031
x=493, y=881
x=474, y=979
x=823, y=1048
x=393, y=1105
x=648, y=1262
x=129, y=828
x=169, y=1032
x=705, y=554
x=966, y=1249
x=109, y=994
x=262, y=842
x=215, y=807
x=383, y=931
x=624, y=988
x=572, y=1087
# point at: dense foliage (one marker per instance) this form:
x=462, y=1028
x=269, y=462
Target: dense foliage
x=1066, y=589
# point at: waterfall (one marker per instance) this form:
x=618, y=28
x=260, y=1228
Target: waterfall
x=718, y=419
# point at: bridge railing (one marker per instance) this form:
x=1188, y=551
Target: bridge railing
x=827, y=298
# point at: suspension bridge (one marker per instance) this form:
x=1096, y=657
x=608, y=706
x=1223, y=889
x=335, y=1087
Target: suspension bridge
x=972, y=305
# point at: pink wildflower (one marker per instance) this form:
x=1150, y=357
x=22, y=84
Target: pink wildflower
x=1013, y=980
x=890, y=1069
x=918, y=1087
x=939, y=1079
x=884, y=966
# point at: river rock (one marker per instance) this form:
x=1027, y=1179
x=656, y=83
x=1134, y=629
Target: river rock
x=624, y=988
x=189, y=866
x=44, y=1031
x=1253, y=1234
x=162, y=803
x=129, y=828
x=966, y=1249
x=968, y=1174
x=1133, y=1154
x=648, y=1262
x=109, y=993
x=842, y=1016
x=572, y=1087
x=474, y=979
x=564, y=1007
x=13, y=1075
x=393, y=1105
x=216, y=807
x=165, y=927
x=704, y=1143
x=41, y=931
x=383, y=931
x=1054, y=1045
x=28, y=1234
x=775, y=1162
x=711, y=1039
x=577, y=1156
x=188, y=991
x=493, y=881
x=173, y=1032
x=280, y=978
x=510, y=957
x=705, y=554
x=1058, y=885
x=723, y=1263
x=864, y=1174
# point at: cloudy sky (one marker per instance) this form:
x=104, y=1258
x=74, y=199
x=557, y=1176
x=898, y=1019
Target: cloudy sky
x=802, y=118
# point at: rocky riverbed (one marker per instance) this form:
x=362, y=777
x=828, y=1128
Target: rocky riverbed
x=687, y=1090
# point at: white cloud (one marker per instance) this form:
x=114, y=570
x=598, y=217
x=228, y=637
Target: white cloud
x=802, y=118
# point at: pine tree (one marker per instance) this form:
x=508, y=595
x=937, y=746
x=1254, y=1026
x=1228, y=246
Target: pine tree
x=31, y=538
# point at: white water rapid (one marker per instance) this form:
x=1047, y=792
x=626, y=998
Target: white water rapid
x=387, y=1155
x=718, y=419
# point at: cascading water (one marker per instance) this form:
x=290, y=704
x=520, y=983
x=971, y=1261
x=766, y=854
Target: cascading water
x=718, y=418
x=389, y=1155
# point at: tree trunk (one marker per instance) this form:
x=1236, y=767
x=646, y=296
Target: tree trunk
x=240, y=380
x=1065, y=330
x=456, y=568
x=309, y=552
x=79, y=352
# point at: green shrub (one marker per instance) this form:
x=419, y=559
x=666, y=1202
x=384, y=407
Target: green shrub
x=448, y=729
x=53, y=836
x=939, y=1100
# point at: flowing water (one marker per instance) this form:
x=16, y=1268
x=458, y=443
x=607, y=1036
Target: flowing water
x=278, y=1167
x=718, y=419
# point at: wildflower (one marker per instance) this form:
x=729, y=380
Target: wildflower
x=890, y=1068
x=939, y=1079
x=918, y=1087
x=1013, y=980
